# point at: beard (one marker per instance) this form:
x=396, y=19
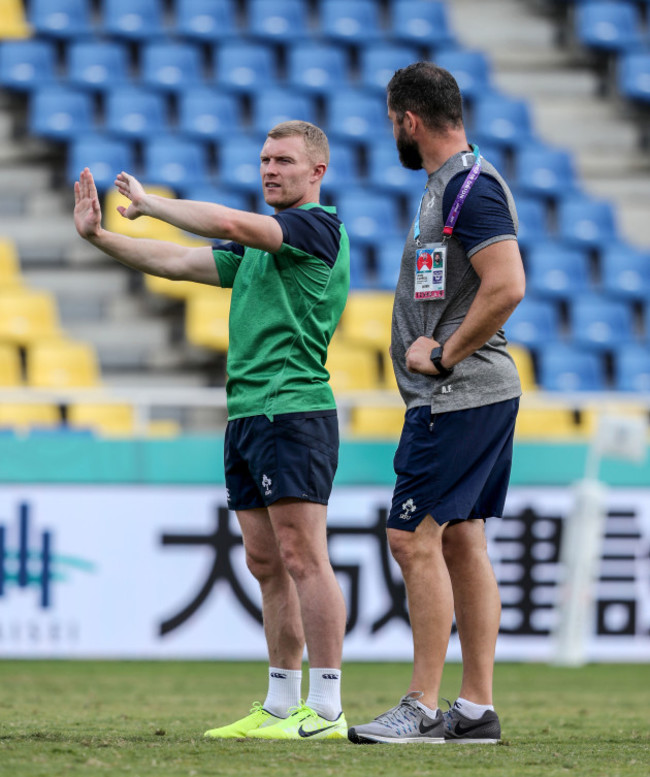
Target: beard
x=409, y=153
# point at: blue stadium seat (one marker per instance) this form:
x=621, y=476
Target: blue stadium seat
x=275, y=105
x=387, y=173
x=207, y=114
x=564, y=367
x=27, y=64
x=355, y=114
x=103, y=155
x=134, y=20
x=135, y=112
x=586, y=222
x=423, y=23
x=316, y=68
x=544, y=171
x=244, y=67
x=343, y=169
x=170, y=66
x=625, y=271
x=239, y=163
x=496, y=155
x=501, y=120
x=60, y=113
x=350, y=21
x=388, y=260
x=600, y=323
x=209, y=192
x=609, y=26
x=205, y=20
x=633, y=75
x=632, y=368
x=175, y=162
x=556, y=271
x=533, y=220
x=97, y=65
x=534, y=322
x=379, y=61
x=279, y=21
x=370, y=217
x=471, y=69
x=63, y=19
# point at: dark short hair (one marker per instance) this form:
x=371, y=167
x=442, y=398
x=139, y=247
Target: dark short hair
x=429, y=91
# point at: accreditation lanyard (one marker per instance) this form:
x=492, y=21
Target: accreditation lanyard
x=465, y=189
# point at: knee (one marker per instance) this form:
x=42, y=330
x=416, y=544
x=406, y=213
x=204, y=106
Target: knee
x=462, y=543
x=405, y=549
x=264, y=564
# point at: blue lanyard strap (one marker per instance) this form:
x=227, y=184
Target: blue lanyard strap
x=458, y=202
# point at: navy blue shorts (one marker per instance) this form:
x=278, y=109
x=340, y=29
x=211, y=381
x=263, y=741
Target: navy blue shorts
x=453, y=466
x=295, y=455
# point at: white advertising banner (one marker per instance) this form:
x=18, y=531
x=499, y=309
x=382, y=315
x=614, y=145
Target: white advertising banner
x=159, y=572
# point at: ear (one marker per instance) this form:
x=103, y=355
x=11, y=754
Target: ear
x=318, y=171
x=411, y=122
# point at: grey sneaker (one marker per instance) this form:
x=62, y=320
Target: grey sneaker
x=484, y=731
x=402, y=724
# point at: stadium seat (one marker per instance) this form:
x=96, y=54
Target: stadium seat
x=544, y=171
x=343, y=169
x=633, y=76
x=471, y=69
x=388, y=260
x=568, y=368
x=316, y=68
x=370, y=217
x=27, y=315
x=275, y=105
x=60, y=113
x=356, y=114
x=239, y=163
x=366, y=320
x=144, y=226
x=209, y=192
x=27, y=64
x=533, y=323
x=277, y=22
x=207, y=114
x=586, y=222
x=10, y=274
x=600, y=323
x=105, y=157
x=134, y=112
x=63, y=19
x=205, y=20
x=632, y=368
x=423, y=23
x=523, y=360
x=608, y=26
x=175, y=162
x=379, y=422
x=533, y=220
x=387, y=173
x=11, y=371
x=501, y=120
x=134, y=20
x=378, y=62
x=104, y=420
x=97, y=65
x=171, y=67
x=62, y=363
x=625, y=271
x=244, y=67
x=13, y=21
x=350, y=21
x=206, y=318
x=549, y=421
x=557, y=271
x=29, y=415
x=351, y=367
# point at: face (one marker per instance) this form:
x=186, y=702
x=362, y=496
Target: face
x=289, y=177
x=407, y=148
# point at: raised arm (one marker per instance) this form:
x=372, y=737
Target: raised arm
x=156, y=257
x=201, y=218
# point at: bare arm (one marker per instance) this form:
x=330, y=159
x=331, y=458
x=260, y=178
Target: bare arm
x=156, y=257
x=201, y=218
x=500, y=270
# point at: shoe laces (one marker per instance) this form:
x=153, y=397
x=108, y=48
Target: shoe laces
x=402, y=716
x=300, y=707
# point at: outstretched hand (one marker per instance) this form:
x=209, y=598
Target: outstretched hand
x=133, y=190
x=87, y=210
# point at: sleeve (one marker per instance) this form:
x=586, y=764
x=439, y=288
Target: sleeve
x=315, y=232
x=227, y=257
x=485, y=215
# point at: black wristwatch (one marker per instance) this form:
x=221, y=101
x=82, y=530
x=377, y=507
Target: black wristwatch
x=436, y=358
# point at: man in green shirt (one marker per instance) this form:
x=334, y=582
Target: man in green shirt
x=289, y=274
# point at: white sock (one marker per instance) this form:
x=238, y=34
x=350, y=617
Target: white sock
x=471, y=710
x=325, y=692
x=284, y=691
x=427, y=710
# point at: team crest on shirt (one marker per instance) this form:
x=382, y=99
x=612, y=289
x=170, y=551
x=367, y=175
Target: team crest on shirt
x=409, y=507
x=266, y=484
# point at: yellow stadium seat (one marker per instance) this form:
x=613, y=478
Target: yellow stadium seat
x=378, y=422
x=11, y=373
x=352, y=368
x=23, y=416
x=175, y=289
x=10, y=275
x=145, y=226
x=524, y=363
x=206, y=318
x=107, y=420
x=27, y=315
x=163, y=427
x=13, y=23
x=367, y=318
x=547, y=421
x=62, y=364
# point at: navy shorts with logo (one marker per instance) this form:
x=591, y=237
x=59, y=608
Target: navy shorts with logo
x=453, y=466
x=295, y=455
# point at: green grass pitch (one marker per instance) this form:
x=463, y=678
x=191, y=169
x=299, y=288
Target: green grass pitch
x=146, y=719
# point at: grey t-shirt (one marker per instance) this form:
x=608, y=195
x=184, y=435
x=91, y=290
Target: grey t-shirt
x=488, y=216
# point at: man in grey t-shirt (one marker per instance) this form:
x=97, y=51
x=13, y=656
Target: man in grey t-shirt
x=461, y=277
